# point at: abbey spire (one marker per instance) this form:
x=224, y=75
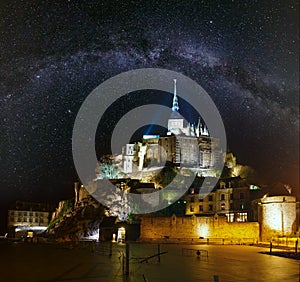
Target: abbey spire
x=175, y=106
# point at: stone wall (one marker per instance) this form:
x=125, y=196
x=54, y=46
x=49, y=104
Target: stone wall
x=277, y=216
x=193, y=227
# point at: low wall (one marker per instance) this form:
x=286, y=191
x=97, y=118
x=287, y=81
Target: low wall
x=196, y=228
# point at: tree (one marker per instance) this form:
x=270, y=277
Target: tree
x=107, y=168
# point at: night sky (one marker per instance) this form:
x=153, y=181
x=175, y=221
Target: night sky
x=245, y=54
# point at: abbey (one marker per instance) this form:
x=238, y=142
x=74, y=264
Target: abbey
x=186, y=144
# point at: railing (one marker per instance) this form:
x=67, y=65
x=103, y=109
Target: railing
x=285, y=242
x=204, y=241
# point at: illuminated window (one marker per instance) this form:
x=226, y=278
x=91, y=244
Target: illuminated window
x=242, y=206
x=223, y=207
x=254, y=187
x=241, y=217
x=230, y=217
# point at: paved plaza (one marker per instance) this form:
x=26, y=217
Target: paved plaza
x=90, y=263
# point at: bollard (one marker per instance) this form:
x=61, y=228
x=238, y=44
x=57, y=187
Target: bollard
x=296, y=246
x=158, y=251
x=271, y=247
x=110, y=249
x=123, y=264
x=127, y=259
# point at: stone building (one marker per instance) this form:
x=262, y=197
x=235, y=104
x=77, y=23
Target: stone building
x=231, y=197
x=27, y=219
x=185, y=144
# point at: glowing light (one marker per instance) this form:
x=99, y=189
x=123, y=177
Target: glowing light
x=203, y=231
x=33, y=228
x=29, y=234
x=121, y=235
x=150, y=137
x=254, y=187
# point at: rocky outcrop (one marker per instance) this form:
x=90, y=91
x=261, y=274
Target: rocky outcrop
x=76, y=219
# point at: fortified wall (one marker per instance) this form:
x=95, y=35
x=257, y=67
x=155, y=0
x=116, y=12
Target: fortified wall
x=193, y=227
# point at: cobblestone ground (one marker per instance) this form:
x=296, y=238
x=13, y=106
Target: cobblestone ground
x=87, y=262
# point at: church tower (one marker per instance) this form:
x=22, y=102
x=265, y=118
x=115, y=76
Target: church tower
x=175, y=122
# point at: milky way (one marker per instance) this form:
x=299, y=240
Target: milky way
x=243, y=53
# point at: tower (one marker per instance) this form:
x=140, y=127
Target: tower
x=175, y=122
x=175, y=106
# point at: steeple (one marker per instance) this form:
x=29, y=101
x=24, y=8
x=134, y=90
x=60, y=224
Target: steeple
x=175, y=106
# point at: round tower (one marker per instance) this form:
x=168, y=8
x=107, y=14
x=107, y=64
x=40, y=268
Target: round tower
x=277, y=216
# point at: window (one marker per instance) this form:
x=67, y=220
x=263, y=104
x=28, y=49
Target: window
x=210, y=207
x=230, y=217
x=223, y=207
x=231, y=196
x=231, y=206
x=210, y=198
x=222, y=197
x=241, y=195
x=200, y=199
x=242, y=206
x=201, y=208
x=191, y=208
x=241, y=217
x=192, y=199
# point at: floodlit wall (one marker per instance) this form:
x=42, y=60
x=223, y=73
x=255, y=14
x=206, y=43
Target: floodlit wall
x=193, y=227
x=277, y=216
